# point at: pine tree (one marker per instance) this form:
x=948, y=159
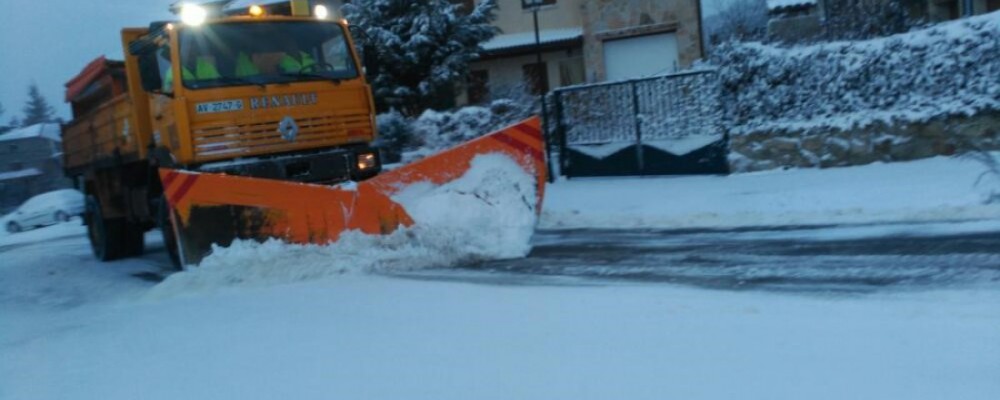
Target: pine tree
x=37, y=110
x=415, y=51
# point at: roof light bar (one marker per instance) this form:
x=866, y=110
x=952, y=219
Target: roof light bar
x=193, y=14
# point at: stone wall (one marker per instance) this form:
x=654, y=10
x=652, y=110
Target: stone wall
x=618, y=19
x=830, y=147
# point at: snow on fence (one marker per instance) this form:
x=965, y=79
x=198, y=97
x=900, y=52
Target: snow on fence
x=676, y=114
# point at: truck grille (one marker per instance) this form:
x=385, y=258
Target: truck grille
x=223, y=140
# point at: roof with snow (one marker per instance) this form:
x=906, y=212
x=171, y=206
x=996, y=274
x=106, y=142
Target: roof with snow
x=511, y=41
x=777, y=5
x=21, y=173
x=48, y=131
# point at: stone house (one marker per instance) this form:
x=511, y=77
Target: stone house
x=584, y=41
x=636, y=38
x=508, y=65
x=30, y=164
x=792, y=20
x=944, y=10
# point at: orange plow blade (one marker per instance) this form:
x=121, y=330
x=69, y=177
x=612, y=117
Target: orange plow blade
x=216, y=209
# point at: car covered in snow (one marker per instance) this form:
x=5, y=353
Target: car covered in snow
x=46, y=209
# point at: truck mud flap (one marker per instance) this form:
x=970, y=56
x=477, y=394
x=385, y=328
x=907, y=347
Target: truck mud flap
x=216, y=209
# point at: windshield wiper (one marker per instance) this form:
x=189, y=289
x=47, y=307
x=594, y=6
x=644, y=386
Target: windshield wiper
x=239, y=81
x=313, y=75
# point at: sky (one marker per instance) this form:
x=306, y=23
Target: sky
x=49, y=41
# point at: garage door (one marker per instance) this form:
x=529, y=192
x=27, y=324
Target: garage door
x=640, y=56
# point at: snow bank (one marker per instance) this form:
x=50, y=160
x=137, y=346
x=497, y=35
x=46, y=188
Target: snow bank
x=937, y=189
x=488, y=213
x=946, y=69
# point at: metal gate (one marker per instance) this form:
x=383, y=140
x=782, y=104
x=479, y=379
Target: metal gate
x=666, y=125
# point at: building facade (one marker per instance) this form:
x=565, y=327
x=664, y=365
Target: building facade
x=30, y=164
x=508, y=65
x=943, y=10
x=626, y=39
x=584, y=41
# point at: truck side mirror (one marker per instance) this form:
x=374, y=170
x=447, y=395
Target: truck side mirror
x=149, y=73
x=364, y=47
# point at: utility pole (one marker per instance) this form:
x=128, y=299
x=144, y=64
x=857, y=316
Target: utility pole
x=534, y=6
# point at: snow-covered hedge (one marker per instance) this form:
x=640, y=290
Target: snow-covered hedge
x=948, y=69
x=405, y=139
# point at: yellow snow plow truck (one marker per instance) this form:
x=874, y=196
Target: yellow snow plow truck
x=220, y=127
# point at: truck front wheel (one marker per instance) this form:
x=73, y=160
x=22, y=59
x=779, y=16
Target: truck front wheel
x=134, y=237
x=106, y=235
x=166, y=226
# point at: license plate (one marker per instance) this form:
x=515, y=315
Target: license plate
x=219, y=106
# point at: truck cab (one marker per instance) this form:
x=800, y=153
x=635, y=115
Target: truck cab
x=269, y=96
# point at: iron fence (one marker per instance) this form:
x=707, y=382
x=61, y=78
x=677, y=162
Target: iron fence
x=673, y=124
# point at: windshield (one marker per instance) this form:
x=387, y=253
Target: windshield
x=235, y=54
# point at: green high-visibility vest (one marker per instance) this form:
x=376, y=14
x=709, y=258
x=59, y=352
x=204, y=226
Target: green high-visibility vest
x=205, y=69
x=168, y=78
x=289, y=64
x=245, y=67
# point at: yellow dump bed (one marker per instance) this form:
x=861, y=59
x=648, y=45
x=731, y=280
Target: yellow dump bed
x=104, y=136
x=103, y=130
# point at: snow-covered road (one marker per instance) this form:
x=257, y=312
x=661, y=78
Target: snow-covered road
x=878, y=311
x=818, y=259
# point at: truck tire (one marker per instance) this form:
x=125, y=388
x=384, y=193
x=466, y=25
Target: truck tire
x=106, y=235
x=167, y=229
x=133, y=240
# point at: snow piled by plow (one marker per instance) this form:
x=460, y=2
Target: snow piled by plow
x=489, y=213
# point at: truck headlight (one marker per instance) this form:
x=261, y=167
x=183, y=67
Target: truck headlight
x=321, y=11
x=367, y=161
x=193, y=14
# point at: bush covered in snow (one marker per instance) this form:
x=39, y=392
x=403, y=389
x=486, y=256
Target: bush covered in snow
x=395, y=133
x=406, y=139
x=415, y=50
x=947, y=69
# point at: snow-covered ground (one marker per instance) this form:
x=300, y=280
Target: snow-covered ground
x=71, y=327
x=380, y=338
x=936, y=189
